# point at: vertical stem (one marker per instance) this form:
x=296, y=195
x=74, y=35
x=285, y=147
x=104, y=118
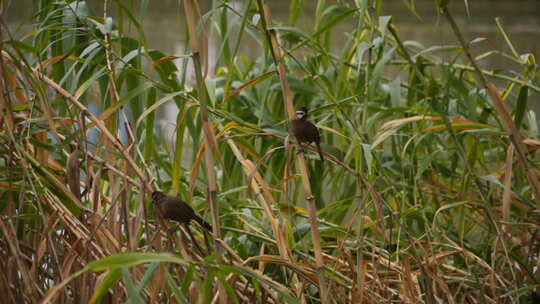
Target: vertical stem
x=300, y=160
x=209, y=136
x=207, y=126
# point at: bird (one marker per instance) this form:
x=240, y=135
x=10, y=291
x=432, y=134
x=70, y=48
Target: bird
x=177, y=210
x=305, y=131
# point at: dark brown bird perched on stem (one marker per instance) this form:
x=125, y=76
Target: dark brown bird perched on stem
x=305, y=131
x=177, y=210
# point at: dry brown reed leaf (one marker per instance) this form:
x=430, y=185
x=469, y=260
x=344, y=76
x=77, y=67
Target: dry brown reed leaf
x=260, y=162
x=76, y=228
x=532, y=142
x=42, y=155
x=258, y=184
x=212, y=142
x=248, y=84
x=265, y=277
x=238, y=260
x=47, y=111
x=195, y=169
x=107, y=240
x=399, y=122
x=46, y=243
x=507, y=182
x=50, y=163
x=480, y=262
x=361, y=282
x=262, y=264
x=40, y=251
x=516, y=137
x=412, y=288
x=11, y=81
x=54, y=165
x=307, y=272
x=259, y=187
x=53, y=291
x=73, y=174
x=161, y=60
x=6, y=106
x=331, y=130
x=8, y=232
x=157, y=284
x=438, y=189
x=112, y=221
x=59, y=185
x=74, y=252
x=250, y=152
x=95, y=190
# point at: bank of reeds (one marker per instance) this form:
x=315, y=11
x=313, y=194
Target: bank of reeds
x=429, y=193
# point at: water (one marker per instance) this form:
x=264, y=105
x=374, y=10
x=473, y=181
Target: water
x=521, y=18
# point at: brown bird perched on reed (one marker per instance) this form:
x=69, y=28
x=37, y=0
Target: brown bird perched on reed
x=305, y=131
x=177, y=210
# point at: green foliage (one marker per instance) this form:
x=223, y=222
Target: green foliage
x=422, y=194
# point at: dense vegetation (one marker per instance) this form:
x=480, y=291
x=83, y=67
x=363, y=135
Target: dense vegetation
x=429, y=192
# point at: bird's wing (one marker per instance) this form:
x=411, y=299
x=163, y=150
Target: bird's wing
x=178, y=207
x=313, y=128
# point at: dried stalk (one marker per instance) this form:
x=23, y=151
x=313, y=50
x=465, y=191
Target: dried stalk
x=300, y=160
x=99, y=124
x=209, y=136
x=266, y=198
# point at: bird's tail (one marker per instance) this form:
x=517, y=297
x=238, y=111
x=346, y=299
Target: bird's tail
x=320, y=151
x=203, y=223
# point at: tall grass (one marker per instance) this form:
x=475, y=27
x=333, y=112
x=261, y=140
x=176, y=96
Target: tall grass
x=430, y=193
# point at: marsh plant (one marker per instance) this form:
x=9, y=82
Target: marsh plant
x=428, y=193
